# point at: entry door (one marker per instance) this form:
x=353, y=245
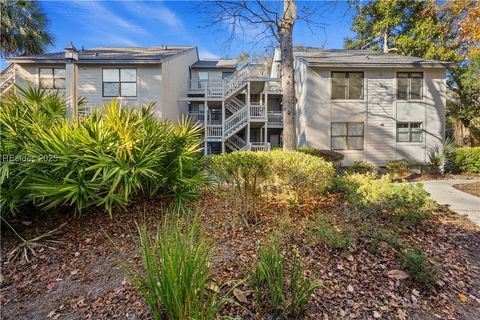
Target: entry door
x=202, y=80
x=275, y=140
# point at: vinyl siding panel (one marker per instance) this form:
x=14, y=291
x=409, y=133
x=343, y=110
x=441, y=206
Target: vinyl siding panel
x=31, y=73
x=149, y=85
x=176, y=73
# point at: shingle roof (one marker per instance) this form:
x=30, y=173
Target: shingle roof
x=221, y=64
x=353, y=58
x=155, y=54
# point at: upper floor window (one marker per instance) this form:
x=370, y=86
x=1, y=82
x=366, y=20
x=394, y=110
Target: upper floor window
x=119, y=82
x=347, y=85
x=226, y=74
x=52, y=78
x=347, y=135
x=409, y=132
x=409, y=85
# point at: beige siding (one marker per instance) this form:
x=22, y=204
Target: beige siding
x=31, y=73
x=176, y=73
x=379, y=111
x=149, y=88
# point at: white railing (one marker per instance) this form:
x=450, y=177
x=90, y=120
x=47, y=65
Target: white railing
x=275, y=117
x=237, y=142
x=257, y=146
x=7, y=78
x=198, y=116
x=235, y=121
x=257, y=111
x=214, y=131
x=274, y=86
x=260, y=146
x=239, y=77
x=234, y=105
x=210, y=87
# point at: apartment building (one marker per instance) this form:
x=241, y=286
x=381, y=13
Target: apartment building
x=368, y=105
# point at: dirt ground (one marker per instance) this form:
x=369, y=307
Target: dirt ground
x=81, y=278
x=471, y=188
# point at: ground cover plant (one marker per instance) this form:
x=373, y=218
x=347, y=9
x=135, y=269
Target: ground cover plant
x=176, y=270
x=104, y=159
x=468, y=159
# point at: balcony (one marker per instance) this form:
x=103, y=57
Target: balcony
x=209, y=88
x=257, y=112
x=275, y=118
x=214, y=132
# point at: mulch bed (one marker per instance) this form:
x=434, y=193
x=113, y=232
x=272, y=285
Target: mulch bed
x=447, y=176
x=81, y=278
x=471, y=188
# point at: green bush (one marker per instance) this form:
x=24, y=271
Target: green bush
x=468, y=159
x=327, y=155
x=298, y=172
x=398, y=168
x=175, y=272
x=326, y=233
x=415, y=263
x=274, y=293
x=104, y=159
x=245, y=171
x=361, y=167
x=403, y=201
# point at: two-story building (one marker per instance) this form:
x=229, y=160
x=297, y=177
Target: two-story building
x=368, y=105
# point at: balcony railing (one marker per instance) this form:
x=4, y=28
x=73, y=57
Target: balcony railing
x=275, y=86
x=275, y=117
x=210, y=87
x=259, y=146
x=198, y=116
x=257, y=111
x=214, y=131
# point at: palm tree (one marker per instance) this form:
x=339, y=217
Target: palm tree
x=23, y=28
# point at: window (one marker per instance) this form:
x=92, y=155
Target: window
x=409, y=132
x=202, y=79
x=409, y=85
x=347, y=85
x=119, y=82
x=52, y=78
x=226, y=74
x=347, y=135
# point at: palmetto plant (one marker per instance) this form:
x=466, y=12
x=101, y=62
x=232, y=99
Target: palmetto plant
x=101, y=160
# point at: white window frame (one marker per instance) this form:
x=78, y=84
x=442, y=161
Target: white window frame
x=415, y=130
x=52, y=77
x=347, y=135
x=120, y=83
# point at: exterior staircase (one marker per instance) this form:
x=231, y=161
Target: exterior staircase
x=238, y=80
x=7, y=79
x=234, y=104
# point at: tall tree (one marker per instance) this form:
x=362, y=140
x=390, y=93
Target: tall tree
x=267, y=22
x=23, y=28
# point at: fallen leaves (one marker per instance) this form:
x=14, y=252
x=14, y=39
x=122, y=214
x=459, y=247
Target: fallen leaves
x=240, y=295
x=397, y=274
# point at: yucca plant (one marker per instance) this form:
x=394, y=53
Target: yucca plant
x=175, y=272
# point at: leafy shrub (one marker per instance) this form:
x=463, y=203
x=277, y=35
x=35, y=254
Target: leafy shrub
x=361, y=167
x=415, y=263
x=175, y=272
x=327, y=155
x=441, y=156
x=104, y=159
x=245, y=171
x=271, y=288
x=300, y=172
x=403, y=201
x=291, y=172
x=398, y=168
x=468, y=159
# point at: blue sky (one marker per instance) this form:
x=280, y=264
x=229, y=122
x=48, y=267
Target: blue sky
x=146, y=23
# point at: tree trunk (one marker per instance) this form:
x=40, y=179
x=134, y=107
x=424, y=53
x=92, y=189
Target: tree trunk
x=288, y=81
x=385, y=42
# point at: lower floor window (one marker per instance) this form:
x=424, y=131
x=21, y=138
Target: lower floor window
x=409, y=132
x=347, y=135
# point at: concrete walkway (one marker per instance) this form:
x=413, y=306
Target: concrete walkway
x=458, y=201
